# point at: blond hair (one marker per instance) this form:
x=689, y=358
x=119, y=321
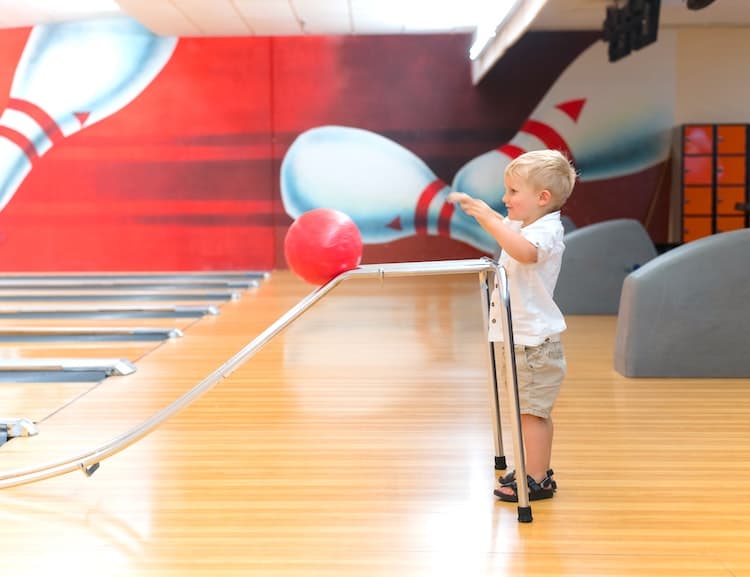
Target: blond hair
x=546, y=170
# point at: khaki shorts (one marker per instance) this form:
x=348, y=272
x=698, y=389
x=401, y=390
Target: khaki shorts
x=540, y=372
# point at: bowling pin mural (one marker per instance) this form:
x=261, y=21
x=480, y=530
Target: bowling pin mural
x=611, y=119
x=70, y=76
x=387, y=190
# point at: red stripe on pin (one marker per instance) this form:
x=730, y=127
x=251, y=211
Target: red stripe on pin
x=20, y=141
x=511, y=150
x=44, y=120
x=423, y=205
x=444, y=220
x=548, y=135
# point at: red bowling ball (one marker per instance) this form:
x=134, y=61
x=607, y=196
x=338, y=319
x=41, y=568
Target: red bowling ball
x=321, y=244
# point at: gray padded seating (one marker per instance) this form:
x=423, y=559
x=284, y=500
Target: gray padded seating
x=687, y=312
x=568, y=224
x=596, y=261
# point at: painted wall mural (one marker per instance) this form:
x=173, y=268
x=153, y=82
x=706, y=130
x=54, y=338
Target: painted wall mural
x=599, y=115
x=121, y=150
x=69, y=77
x=173, y=172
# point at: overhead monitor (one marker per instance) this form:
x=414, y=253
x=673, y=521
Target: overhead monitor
x=631, y=27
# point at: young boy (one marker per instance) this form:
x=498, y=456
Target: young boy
x=537, y=185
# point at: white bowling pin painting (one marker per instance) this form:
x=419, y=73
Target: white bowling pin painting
x=70, y=76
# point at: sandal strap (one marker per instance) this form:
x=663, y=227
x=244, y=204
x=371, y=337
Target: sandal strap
x=533, y=485
x=508, y=479
x=548, y=482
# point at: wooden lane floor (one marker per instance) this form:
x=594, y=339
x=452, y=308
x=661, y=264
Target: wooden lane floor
x=36, y=401
x=32, y=347
x=21, y=396
x=85, y=340
x=358, y=443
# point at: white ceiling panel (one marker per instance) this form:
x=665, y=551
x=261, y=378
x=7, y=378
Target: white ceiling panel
x=218, y=18
x=160, y=16
x=333, y=17
x=269, y=17
x=289, y=17
x=410, y=16
x=19, y=13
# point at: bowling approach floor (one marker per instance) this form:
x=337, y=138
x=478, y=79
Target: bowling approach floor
x=358, y=442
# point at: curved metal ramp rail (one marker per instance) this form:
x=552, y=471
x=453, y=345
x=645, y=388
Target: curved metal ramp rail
x=487, y=269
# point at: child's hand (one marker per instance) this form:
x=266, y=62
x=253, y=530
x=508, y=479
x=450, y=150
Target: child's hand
x=471, y=206
x=456, y=197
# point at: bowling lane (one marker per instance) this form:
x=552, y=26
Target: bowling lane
x=133, y=352
x=38, y=400
x=49, y=360
x=34, y=395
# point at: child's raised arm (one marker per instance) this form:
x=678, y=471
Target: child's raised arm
x=510, y=240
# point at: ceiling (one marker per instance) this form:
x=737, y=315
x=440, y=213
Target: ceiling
x=333, y=17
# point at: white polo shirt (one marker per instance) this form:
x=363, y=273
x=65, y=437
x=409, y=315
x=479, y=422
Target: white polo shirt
x=535, y=315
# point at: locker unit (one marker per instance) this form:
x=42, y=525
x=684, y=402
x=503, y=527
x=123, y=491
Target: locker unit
x=714, y=159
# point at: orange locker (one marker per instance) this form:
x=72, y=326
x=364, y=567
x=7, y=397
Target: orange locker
x=727, y=199
x=698, y=200
x=727, y=223
x=698, y=139
x=730, y=139
x=730, y=170
x=698, y=170
x=714, y=179
x=694, y=227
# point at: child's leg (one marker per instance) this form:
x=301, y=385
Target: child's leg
x=540, y=371
x=537, y=439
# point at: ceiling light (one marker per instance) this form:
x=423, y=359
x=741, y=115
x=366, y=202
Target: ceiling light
x=495, y=15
